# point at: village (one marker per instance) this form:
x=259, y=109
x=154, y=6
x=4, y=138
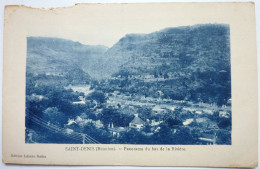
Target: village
x=171, y=86
x=148, y=115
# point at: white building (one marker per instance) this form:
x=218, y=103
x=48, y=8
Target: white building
x=224, y=114
x=137, y=123
x=82, y=100
x=155, y=123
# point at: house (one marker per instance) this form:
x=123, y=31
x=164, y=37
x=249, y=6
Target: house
x=159, y=93
x=110, y=126
x=98, y=124
x=224, y=114
x=68, y=131
x=172, y=108
x=208, y=111
x=37, y=97
x=208, y=139
x=137, y=123
x=116, y=131
x=222, y=71
x=158, y=109
x=148, y=76
x=82, y=100
x=198, y=112
x=187, y=122
x=155, y=123
x=229, y=102
x=71, y=121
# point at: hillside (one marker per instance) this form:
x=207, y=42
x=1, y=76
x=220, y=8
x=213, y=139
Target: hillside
x=183, y=63
x=191, y=63
x=54, y=56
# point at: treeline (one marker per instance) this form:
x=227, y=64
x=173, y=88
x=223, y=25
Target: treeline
x=207, y=86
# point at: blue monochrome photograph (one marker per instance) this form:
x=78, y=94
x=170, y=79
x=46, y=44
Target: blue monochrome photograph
x=167, y=87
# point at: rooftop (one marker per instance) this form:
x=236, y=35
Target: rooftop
x=137, y=120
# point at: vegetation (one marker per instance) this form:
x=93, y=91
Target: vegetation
x=177, y=80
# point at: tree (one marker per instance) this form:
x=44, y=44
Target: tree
x=171, y=122
x=184, y=137
x=224, y=123
x=155, y=75
x=52, y=115
x=145, y=112
x=164, y=136
x=99, y=96
x=166, y=76
x=224, y=137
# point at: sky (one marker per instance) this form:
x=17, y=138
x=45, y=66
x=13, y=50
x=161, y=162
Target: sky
x=105, y=24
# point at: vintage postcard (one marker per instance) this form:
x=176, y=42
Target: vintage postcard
x=121, y=84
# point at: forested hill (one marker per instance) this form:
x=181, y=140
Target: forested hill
x=60, y=57
x=184, y=63
x=191, y=63
x=190, y=45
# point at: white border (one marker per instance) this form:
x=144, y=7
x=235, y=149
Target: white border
x=59, y=3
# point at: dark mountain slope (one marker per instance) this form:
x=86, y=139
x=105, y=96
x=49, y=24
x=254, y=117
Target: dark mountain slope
x=190, y=62
x=53, y=56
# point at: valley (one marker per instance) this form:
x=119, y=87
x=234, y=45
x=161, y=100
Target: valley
x=172, y=86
